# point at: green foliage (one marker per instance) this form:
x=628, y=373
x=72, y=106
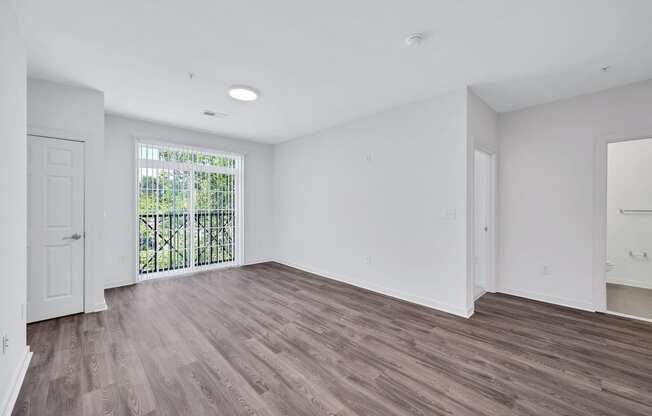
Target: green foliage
x=168, y=191
x=147, y=152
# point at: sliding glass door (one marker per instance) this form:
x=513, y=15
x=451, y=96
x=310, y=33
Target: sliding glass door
x=189, y=209
x=214, y=218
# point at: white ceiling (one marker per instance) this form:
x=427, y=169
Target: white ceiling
x=320, y=63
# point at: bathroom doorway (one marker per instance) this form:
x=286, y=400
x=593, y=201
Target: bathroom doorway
x=629, y=228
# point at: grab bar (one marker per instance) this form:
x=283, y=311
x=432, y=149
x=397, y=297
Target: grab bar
x=635, y=211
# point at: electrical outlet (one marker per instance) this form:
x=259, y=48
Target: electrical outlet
x=450, y=214
x=367, y=260
x=546, y=270
x=5, y=343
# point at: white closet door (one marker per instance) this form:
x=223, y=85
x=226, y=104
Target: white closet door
x=55, y=177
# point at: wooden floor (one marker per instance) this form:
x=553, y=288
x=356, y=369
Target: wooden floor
x=270, y=340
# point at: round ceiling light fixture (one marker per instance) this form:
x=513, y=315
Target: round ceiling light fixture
x=243, y=93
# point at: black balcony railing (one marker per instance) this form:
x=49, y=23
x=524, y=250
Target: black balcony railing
x=166, y=240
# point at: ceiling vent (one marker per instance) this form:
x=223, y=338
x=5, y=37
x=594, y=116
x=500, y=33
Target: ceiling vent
x=209, y=113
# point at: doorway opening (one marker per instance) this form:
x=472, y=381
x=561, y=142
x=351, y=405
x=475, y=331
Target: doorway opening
x=484, y=223
x=629, y=229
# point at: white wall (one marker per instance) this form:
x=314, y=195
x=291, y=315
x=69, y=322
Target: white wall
x=482, y=124
x=547, y=179
x=381, y=202
x=13, y=209
x=119, y=255
x=58, y=110
x=629, y=186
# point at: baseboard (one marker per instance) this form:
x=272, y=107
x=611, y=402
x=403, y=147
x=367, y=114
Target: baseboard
x=571, y=303
x=624, y=315
x=9, y=400
x=630, y=283
x=251, y=263
x=102, y=306
x=419, y=300
x=112, y=285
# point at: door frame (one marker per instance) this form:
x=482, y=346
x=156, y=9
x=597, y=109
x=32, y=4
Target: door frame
x=491, y=277
x=600, y=212
x=62, y=135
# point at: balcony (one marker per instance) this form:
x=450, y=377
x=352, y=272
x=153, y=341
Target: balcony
x=171, y=241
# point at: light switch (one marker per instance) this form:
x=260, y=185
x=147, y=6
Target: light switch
x=450, y=214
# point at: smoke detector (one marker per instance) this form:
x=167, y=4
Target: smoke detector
x=414, y=39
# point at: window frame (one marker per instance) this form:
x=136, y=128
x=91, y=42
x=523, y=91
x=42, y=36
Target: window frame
x=238, y=174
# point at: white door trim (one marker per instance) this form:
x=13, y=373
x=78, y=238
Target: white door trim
x=16, y=382
x=491, y=278
x=600, y=213
x=58, y=134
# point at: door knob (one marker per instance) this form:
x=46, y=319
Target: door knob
x=75, y=236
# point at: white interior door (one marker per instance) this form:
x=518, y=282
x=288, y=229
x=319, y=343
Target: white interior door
x=55, y=237
x=483, y=212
